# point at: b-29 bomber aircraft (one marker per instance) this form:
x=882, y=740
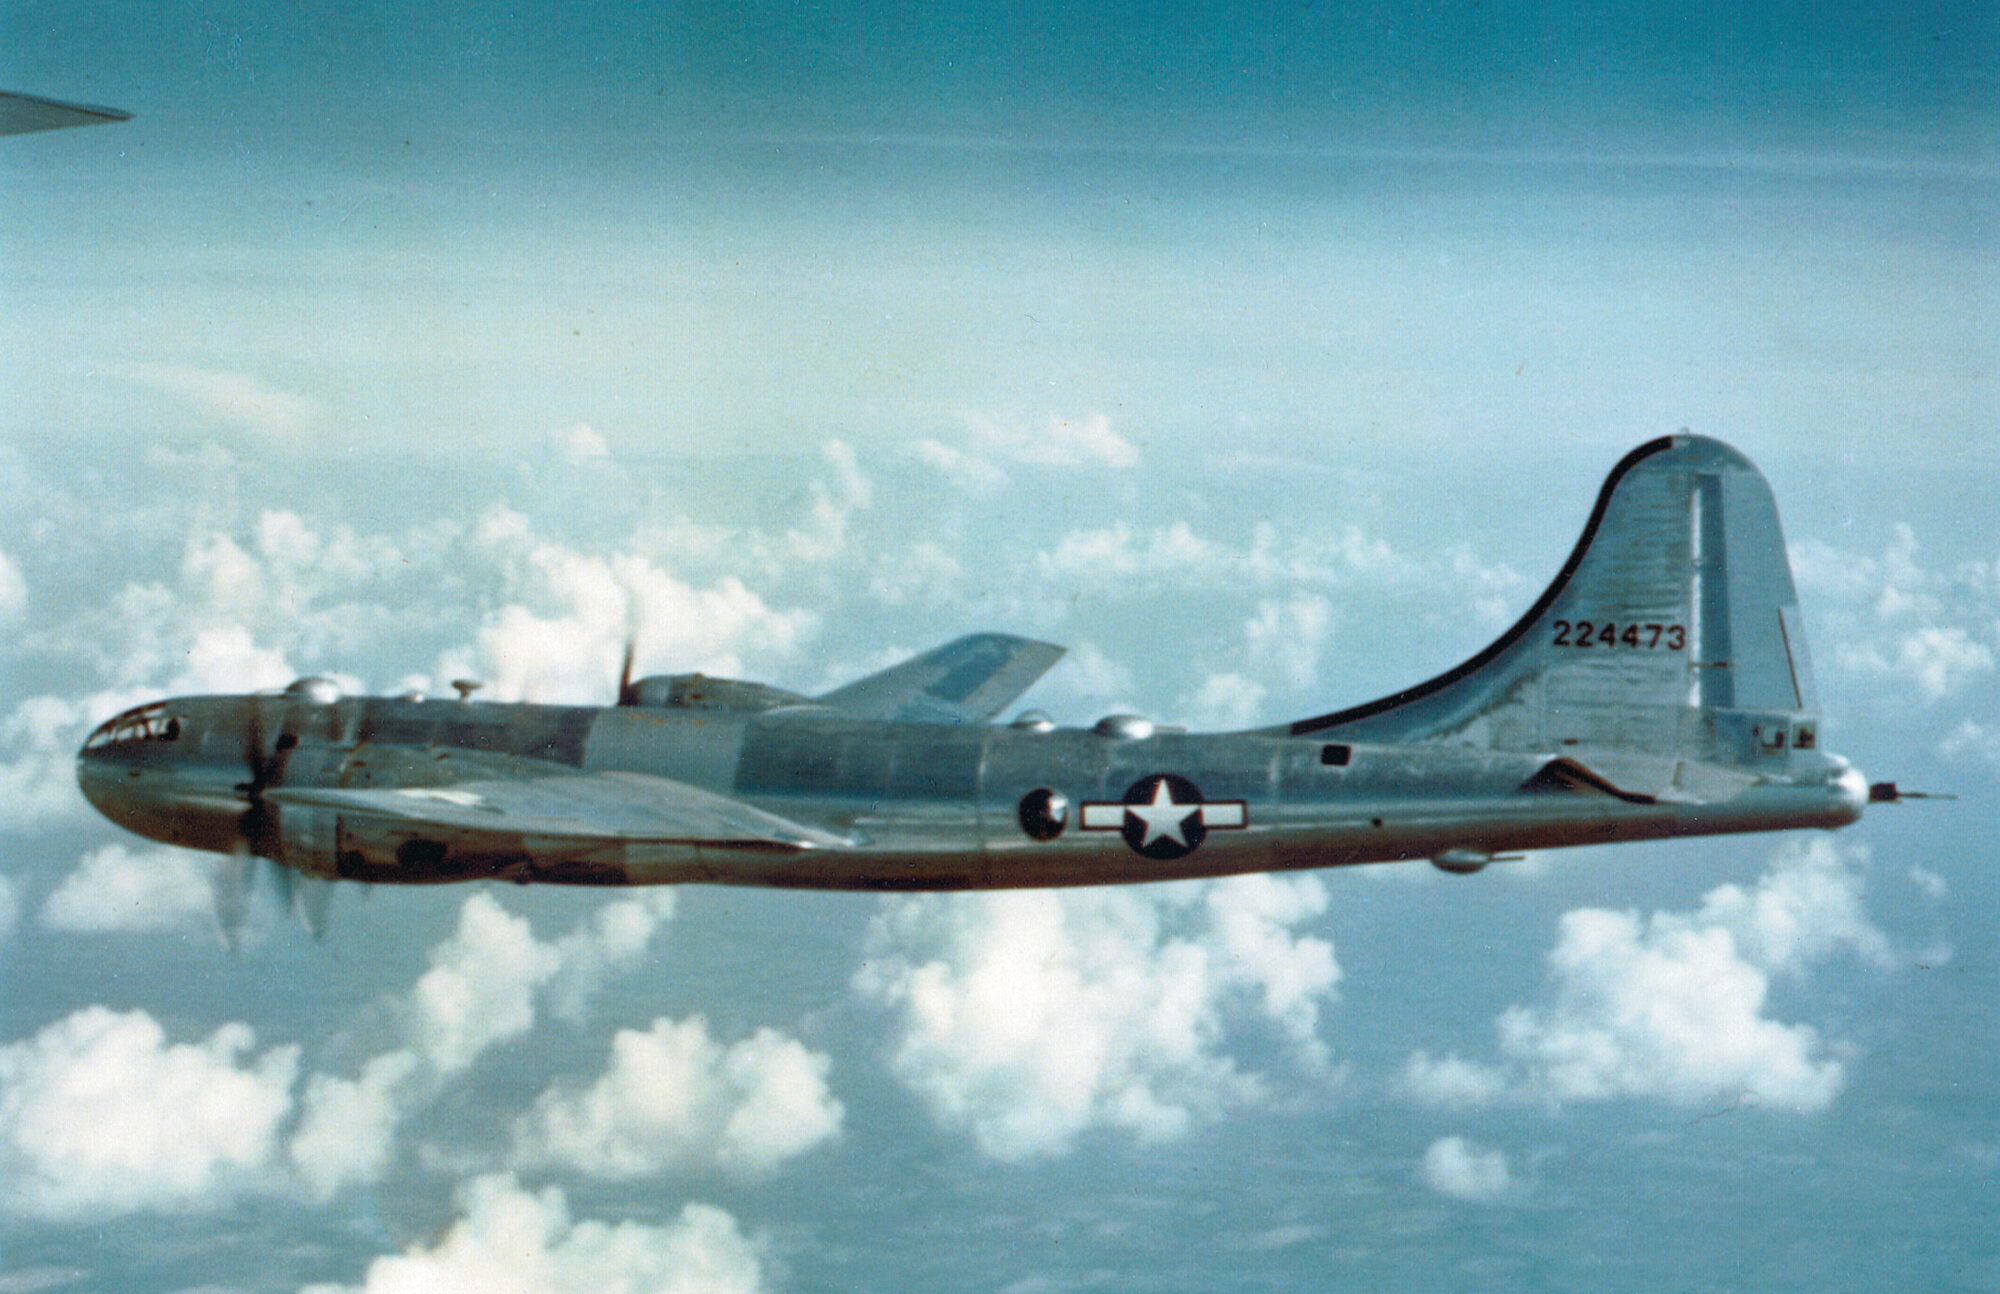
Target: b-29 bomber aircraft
x=1660, y=687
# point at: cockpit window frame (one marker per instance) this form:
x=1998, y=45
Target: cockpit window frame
x=150, y=722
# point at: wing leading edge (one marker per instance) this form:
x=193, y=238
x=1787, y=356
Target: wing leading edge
x=605, y=808
x=968, y=680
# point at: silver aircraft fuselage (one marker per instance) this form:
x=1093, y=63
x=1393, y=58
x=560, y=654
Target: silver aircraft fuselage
x=911, y=805
x=1660, y=686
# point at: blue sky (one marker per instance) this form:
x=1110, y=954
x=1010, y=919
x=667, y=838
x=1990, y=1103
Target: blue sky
x=1269, y=363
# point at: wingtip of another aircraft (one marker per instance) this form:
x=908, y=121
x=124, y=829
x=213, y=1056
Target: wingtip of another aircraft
x=22, y=114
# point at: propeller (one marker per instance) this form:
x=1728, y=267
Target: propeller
x=314, y=903
x=257, y=826
x=258, y=841
x=628, y=691
x=232, y=892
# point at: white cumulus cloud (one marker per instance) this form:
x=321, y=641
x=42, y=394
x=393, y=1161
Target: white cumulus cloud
x=1028, y=1018
x=1937, y=660
x=1804, y=910
x=484, y=987
x=1223, y=701
x=609, y=942
x=241, y=401
x=969, y=472
x=509, y=1241
x=101, y=1115
x=285, y=538
x=1672, y=1006
x=1456, y=1167
x=1972, y=739
x=225, y=658
x=834, y=500
x=562, y=640
x=38, y=742
x=480, y=987
x=674, y=1098
x=1934, y=627
x=1662, y=1008
x=1079, y=440
x=347, y=1132
x=1058, y=442
x=1452, y=1082
x=1106, y=559
x=582, y=442
x=13, y=589
x=116, y=888
x=1283, y=640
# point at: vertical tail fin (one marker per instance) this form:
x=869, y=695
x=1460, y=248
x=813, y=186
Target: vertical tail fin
x=1673, y=630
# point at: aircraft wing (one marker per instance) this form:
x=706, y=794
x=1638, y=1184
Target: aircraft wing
x=968, y=680
x=21, y=113
x=626, y=808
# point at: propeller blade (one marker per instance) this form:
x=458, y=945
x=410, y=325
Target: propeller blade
x=232, y=893
x=627, y=693
x=252, y=824
x=253, y=750
x=315, y=904
x=282, y=882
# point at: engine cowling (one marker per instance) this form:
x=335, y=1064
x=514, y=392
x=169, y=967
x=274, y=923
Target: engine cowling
x=309, y=839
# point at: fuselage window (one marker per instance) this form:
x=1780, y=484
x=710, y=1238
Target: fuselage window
x=1335, y=755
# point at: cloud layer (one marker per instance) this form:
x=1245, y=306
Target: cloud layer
x=1671, y=1006
x=484, y=987
x=673, y=1100
x=101, y=1115
x=1027, y=1019
x=508, y=1240
x=117, y=888
x=1930, y=628
x=1456, y=1167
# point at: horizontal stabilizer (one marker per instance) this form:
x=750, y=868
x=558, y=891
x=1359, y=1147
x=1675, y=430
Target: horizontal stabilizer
x=1568, y=775
x=968, y=680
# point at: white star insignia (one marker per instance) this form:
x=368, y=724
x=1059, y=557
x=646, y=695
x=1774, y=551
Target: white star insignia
x=1162, y=821
x=1164, y=816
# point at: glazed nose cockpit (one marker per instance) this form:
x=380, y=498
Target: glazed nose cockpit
x=145, y=770
x=143, y=723
x=124, y=755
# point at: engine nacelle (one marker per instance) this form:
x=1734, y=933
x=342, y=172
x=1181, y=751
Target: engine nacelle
x=309, y=839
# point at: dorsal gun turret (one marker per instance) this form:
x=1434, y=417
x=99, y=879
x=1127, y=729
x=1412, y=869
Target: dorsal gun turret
x=701, y=692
